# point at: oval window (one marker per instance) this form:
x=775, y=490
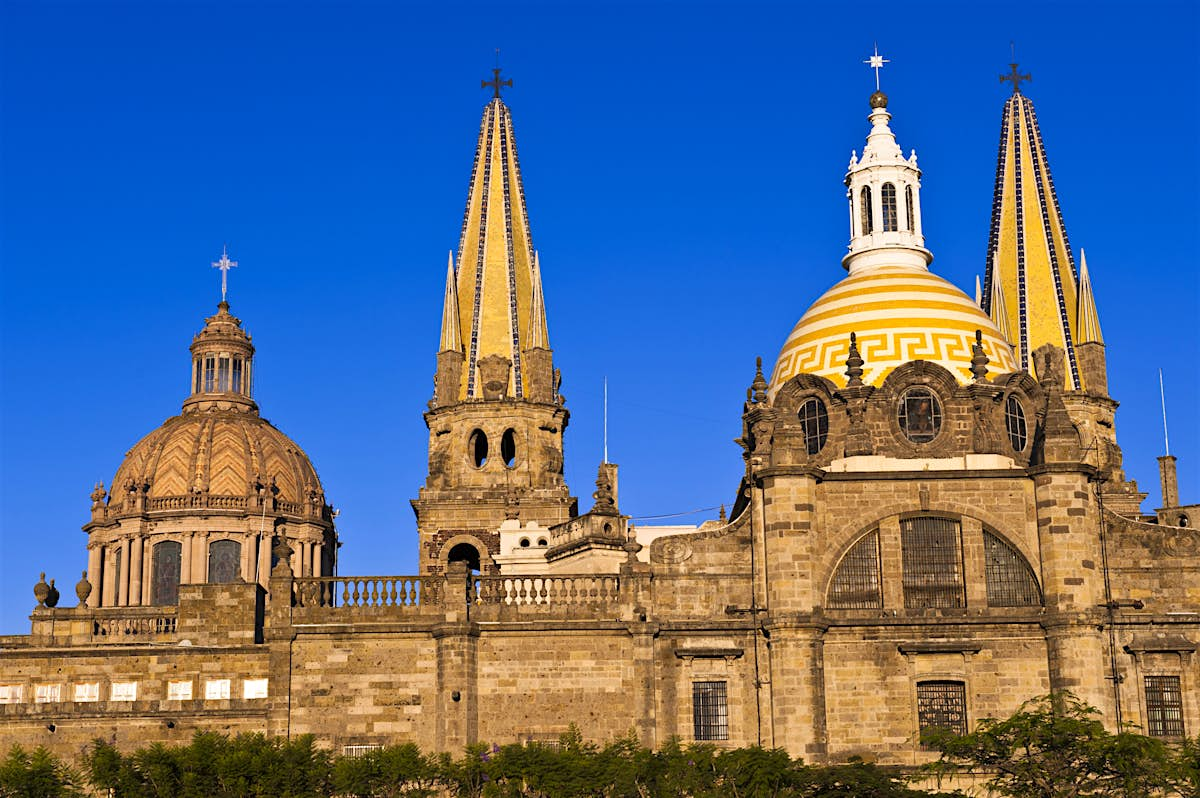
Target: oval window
x=477, y=446
x=508, y=447
x=1014, y=422
x=814, y=423
x=920, y=415
x=524, y=543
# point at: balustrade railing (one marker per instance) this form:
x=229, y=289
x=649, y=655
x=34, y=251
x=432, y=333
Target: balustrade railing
x=123, y=627
x=545, y=590
x=364, y=591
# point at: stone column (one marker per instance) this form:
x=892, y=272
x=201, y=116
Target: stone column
x=303, y=547
x=798, y=689
x=109, y=587
x=319, y=559
x=1169, y=481
x=264, y=559
x=123, y=577
x=135, y=572
x=95, y=574
x=280, y=635
x=186, y=577
x=456, y=639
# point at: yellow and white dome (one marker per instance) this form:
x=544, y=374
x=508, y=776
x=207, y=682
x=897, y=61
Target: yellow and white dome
x=898, y=314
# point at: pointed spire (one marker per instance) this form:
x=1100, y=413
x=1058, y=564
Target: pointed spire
x=978, y=291
x=1029, y=267
x=451, y=332
x=999, y=314
x=495, y=265
x=1087, y=319
x=539, y=338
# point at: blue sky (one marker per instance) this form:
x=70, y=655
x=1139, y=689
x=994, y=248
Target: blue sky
x=683, y=166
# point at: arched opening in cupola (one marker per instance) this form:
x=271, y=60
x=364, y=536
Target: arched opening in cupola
x=464, y=552
x=887, y=196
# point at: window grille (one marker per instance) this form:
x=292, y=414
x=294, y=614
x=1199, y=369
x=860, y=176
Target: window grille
x=1010, y=581
x=864, y=210
x=87, y=692
x=1014, y=422
x=942, y=705
x=1164, y=706
x=166, y=562
x=814, y=422
x=710, y=710
x=361, y=750
x=224, y=561
x=932, y=558
x=888, y=197
x=920, y=415
x=47, y=694
x=908, y=208
x=856, y=583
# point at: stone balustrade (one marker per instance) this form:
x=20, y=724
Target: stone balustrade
x=354, y=592
x=547, y=591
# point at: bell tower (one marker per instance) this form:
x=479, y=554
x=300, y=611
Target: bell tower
x=496, y=420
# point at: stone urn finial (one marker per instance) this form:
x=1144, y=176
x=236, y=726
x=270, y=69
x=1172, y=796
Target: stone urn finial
x=52, y=595
x=83, y=589
x=41, y=590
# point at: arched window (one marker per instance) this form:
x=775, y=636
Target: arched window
x=909, y=218
x=1010, y=580
x=888, y=197
x=920, y=415
x=465, y=552
x=856, y=583
x=932, y=557
x=223, y=374
x=1014, y=422
x=864, y=210
x=814, y=423
x=210, y=374
x=164, y=588
x=508, y=448
x=224, y=561
x=477, y=447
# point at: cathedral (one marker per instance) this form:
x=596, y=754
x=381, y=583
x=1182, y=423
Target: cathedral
x=932, y=526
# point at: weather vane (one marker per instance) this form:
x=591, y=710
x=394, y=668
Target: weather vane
x=495, y=83
x=224, y=264
x=876, y=62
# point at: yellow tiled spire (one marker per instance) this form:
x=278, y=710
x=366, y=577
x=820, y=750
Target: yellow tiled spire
x=451, y=331
x=495, y=264
x=1030, y=288
x=1088, y=321
x=539, y=337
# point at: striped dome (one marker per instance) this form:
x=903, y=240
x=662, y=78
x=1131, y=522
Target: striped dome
x=899, y=314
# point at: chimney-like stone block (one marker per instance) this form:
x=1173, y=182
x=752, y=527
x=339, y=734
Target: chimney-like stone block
x=448, y=382
x=539, y=375
x=1093, y=368
x=1170, y=481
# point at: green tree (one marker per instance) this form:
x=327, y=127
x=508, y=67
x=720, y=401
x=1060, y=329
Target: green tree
x=39, y=774
x=1054, y=746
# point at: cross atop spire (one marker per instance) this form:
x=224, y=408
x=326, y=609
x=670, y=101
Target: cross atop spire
x=495, y=83
x=1016, y=77
x=876, y=62
x=224, y=264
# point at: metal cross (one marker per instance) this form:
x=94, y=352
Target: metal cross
x=1016, y=77
x=876, y=62
x=224, y=264
x=495, y=83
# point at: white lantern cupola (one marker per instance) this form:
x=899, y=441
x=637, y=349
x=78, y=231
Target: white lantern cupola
x=884, y=189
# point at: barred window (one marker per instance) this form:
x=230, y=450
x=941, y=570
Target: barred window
x=864, y=210
x=710, y=711
x=210, y=374
x=1164, y=706
x=888, y=197
x=814, y=422
x=165, y=569
x=856, y=583
x=237, y=375
x=920, y=415
x=933, y=575
x=942, y=705
x=908, y=208
x=1014, y=422
x=224, y=561
x=1010, y=580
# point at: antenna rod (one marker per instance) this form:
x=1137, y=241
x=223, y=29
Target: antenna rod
x=606, y=418
x=1163, y=396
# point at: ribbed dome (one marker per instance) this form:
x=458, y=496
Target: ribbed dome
x=221, y=460
x=899, y=314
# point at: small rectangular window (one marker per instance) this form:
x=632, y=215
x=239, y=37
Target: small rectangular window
x=1164, y=706
x=179, y=691
x=123, y=691
x=210, y=374
x=254, y=688
x=710, y=710
x=237, y=375
x=11, y=693
x=47, y=694
x=942, y=705
x=216, y=689
x=223, y=374
x=86, y=693
x=358, y=751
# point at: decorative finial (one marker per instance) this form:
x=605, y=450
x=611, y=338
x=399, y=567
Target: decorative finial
x=604, y=492
x=721, y=516
x=854, y=364
x=876, y=62
x=495, y=83
x=224, y=264
x=83, y=589
x=759, y=386
x=1016, y=77
x=41, y=590
x=99, y=494
x=979, y=360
